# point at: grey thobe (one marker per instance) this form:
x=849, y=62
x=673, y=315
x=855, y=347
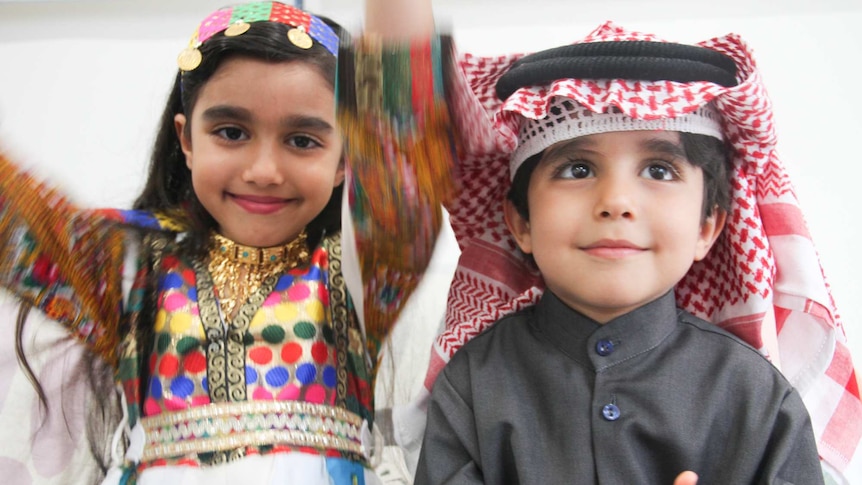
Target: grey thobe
x=548, y=396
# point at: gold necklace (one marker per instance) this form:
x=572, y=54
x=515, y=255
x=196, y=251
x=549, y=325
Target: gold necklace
x=238, y=270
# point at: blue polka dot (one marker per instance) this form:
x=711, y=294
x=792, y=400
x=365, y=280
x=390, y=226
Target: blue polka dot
x=313, y=274
x=182, y=387
x=329, y=376
x=306, y=373
x=205, y=385
x=155, y=388
x=250, y=375
x=171, y=281
x=193, y=294
x=284, y=282
x=277, y=376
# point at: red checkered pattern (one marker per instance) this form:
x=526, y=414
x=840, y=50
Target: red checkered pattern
x=761, y=281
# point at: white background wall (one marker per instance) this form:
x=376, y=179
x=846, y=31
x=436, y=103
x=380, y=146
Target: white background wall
x=82, y=84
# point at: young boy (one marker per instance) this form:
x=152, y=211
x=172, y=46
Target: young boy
x=605, y=379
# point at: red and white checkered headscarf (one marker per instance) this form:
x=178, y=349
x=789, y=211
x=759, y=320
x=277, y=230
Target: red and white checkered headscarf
x=761, y=281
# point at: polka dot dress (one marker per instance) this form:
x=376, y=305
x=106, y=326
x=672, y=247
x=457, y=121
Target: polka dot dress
x=289, y=345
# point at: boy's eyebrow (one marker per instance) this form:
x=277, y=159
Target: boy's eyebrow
x=662, y=145
x=581, y=143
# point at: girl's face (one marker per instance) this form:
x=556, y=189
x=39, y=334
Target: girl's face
x=263, y=149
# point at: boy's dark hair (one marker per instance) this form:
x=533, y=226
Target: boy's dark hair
x=707, y=152
x=169, y=182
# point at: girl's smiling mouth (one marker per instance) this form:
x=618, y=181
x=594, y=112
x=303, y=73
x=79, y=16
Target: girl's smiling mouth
x=258, y=204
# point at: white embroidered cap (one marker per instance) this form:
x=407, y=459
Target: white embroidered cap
x=567, y=119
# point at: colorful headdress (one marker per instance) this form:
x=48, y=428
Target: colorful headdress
x=762, y=280
x=237, y=20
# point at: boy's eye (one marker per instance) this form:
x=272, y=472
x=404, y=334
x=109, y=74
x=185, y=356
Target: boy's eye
x=575, y=170
x=659, y=172
x=231, y=133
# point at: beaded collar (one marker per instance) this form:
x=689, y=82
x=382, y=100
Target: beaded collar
x=238, y=271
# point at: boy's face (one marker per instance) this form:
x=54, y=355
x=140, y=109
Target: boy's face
x=616, y=220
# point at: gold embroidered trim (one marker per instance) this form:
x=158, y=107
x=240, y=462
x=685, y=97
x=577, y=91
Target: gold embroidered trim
x=226, y=350
x=237, y=271
x=339, y=315
x=229, y=426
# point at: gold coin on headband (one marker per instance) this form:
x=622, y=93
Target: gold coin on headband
x=237, y=28
x=300, y=38
x=189, y=59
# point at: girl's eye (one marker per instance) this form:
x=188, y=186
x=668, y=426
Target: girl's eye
x=575, y=170
x=231, y=133
x=659, y=172
x=302, y=141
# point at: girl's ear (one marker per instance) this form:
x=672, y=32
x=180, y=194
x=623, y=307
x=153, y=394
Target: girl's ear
x=180, y=121
x=518, y=226
x=710, y=229
x=339, y=173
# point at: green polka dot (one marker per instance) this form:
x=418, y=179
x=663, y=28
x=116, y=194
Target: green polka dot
x=248, y=339
x=273, y=334
x=328, y=335
x=163, y=342
x=187, y=344
x=305, y=330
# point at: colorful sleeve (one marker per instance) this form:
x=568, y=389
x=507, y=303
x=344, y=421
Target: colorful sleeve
x=400, y=151
x=64, y=261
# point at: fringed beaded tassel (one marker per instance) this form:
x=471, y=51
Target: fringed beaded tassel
x=64, y=261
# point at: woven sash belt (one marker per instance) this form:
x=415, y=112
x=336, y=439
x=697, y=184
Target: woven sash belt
x=227, y=426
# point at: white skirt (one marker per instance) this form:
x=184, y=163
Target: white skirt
x=271, y=469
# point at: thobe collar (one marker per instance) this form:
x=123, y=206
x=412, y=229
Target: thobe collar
x=585, y=340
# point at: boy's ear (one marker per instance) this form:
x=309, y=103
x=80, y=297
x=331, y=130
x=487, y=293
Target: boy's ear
x=710, y=229
x=180, y=121
x=518, y=226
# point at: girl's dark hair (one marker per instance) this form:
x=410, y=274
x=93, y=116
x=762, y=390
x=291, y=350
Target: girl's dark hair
x=169, y=182
x=707, y=152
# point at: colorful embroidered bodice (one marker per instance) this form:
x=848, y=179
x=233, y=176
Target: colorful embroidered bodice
x=281, y=348
x=287, y=350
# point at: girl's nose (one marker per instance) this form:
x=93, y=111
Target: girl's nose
x=264, y=169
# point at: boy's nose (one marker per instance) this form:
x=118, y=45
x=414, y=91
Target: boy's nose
x=615, y=201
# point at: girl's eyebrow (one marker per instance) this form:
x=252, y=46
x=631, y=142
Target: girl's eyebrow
x=304, y=122
x=226, y=112
x=234, y=113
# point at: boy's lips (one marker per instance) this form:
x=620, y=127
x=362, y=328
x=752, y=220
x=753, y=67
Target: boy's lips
x=613, y=248
x=258, y=204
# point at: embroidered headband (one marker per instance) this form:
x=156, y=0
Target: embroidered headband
x=237, y=20
x=568, y=119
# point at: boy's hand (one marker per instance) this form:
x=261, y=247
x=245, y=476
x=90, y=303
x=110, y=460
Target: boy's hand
x=686, y=478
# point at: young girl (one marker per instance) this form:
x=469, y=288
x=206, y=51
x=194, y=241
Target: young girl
x=761, y=281
x=243, y=333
